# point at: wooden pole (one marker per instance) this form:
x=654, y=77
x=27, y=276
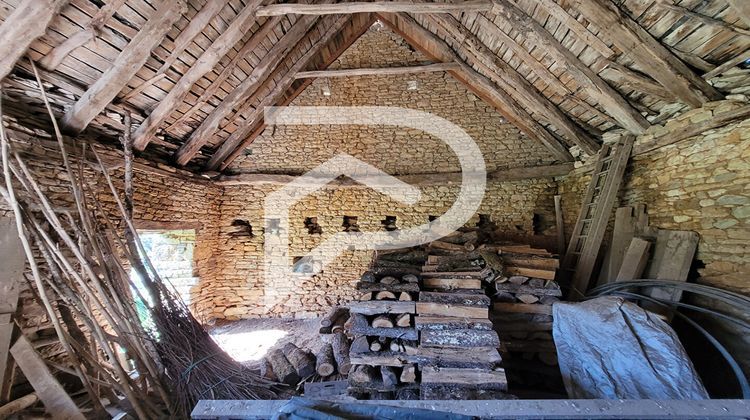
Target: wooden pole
x=560, y=225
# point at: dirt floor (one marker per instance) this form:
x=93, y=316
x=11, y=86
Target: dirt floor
x=249, y=340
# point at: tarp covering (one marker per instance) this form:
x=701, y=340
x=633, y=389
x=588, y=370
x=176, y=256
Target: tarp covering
x=306, y=409
x=609, y=348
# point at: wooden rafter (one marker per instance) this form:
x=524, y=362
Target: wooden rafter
x=648, y=53
x=248, y=86
x=53, y=58
x=505, y=76
x=250, y=46
x=623, y=76
x=125, y=66
x=432, y=46
x=205, y=63
x=28, y=22
x=742, y=7
x=358, y=26
x=236, y=139
x=183, y=40
x=378, y=71
x=373, y=7
x=682, y=11
x=628, y=117
x=559, y=13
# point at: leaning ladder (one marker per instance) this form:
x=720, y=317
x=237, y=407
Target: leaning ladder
x=586, y=240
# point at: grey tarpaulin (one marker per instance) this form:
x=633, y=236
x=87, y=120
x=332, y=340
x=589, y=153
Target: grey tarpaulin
x=610, y=348
x=307, y=409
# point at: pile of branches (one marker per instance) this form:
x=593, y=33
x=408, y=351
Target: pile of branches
x=80, y=261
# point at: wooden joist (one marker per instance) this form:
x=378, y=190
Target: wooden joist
x=205, y=63
x=28, y=22
x=508, y=78
x=245, y=134
x=628, y=117
x=376, y=6
x=261, y=72
x=53, y=58
x=432, y=46
x=125, y=66
x=648, y=53
x=378, y=71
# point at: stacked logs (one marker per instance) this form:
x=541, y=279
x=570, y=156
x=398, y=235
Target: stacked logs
x=458, y=346
x=522, y=314
x=382, y=324
x=292, y=365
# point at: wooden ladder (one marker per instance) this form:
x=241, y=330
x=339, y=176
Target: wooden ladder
x=585, y=242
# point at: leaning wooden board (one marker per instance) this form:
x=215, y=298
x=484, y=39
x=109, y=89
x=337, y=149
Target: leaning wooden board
x=672, y=258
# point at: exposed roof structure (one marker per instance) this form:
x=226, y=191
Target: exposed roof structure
x=195, y=75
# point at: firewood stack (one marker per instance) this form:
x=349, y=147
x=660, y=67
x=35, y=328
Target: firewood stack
x=457, y=352
x=522, y=314
x=382, y=324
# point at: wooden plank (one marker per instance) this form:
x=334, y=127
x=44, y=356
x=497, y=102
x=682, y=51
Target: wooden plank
x=458, y=338
x=481, y=357
x=462, y=299
x=446, y=322
x=376, y=6
x=205, y=63
x=635, y=260
x=125, y=66
x=451, y=283
x=12, y=265
x=49, y=390
x=378, y=71
x=375, y=307
x=531, y=262
x=623, y=233
x=28, y=22
x=648, y=53
x=441, y=309
x=742, y=7
x=380, y=358
x=615, y=104
x=523, y=289
x=523, y=249
x=524, y=308
x=558, y=12
x=673, y=255
x=261, y=72
x=531, y=272
x=478, y=377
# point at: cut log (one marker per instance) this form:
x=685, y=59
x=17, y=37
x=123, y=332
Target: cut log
x=20, y=404
x=382, y=321
x=493, y=260
x=536, y=283
x=404, y=297
x=303, y=362
x=485, y=379
x=360, y=326
x=396, y=346
x=531, y=261
x=446, y=246
x=452, y=283
x=526, y=298
x=381, y=358
x=376, y=346
x=519, y=280
x=364, y=374
x=365, y=296
x=282, y=368
x=459, y=338
x=340, y=345
x=266, y=370
x=410, y=278
x=459, y=274
x=360, y=345
x=403, y=320
x=368, y=277
x=376, y=307
x=339, y=324
x=389, y=377
x=388, y=280
x=325, y=363
x=383, y=295
x=335, y=312
x=477, y=357
x=439, y=309
x=408, y=374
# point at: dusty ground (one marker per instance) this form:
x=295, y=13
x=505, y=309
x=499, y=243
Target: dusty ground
x=248, y=341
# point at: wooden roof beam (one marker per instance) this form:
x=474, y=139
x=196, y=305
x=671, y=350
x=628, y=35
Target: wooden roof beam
x=378, y=71
x=611, y=100
x=205, y=63
x=375, y=6
x=511, y=81
x=125, y=66
x=648, y=53
x=28, y=22
x=623, y=76
x=742, y=7
x=262, y=71
x=237, y=138
x=436, y=48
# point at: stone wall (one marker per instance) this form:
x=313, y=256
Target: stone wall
x=296, y=149
x=241, y=291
